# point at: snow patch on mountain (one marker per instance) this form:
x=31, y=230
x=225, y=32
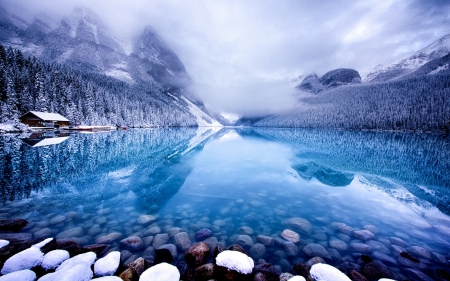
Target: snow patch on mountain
x=410, y=63
x=203, y=120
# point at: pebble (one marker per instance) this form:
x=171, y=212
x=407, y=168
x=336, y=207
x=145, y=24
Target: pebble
x=316, y=250
x=290, y=235
x=182, y=241
x=202, y=234
x=244, y=241
x=152, y=231
x=245, y=230
x=377, y=246
x=171, y=247
x=384, y=258
x=360, y=248
x=265, y=240
x=257, y=251
x=160, y=239
x=146, y=219
x=299, y=224
x=419, y=252
x=290, y=248
x=338, y=244
x=108, y=239
x=43, y=233
x=132, y=243
x=363, y=234
x=58, y=219
x=399, y=242
x=73, y=232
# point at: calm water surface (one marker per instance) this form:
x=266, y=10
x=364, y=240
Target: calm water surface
x=238, y=181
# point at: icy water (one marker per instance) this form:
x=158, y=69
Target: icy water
x=246, y=185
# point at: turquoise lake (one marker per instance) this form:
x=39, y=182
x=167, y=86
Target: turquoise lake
x=238, y=181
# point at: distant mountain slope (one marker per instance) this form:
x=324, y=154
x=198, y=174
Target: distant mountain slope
x=331, y=79
x=419, y=103
x=411, y=63
x=82, y=42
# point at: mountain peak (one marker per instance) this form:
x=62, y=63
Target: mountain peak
x=410, y=63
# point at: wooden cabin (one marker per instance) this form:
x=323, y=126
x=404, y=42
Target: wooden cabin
x=44, y=119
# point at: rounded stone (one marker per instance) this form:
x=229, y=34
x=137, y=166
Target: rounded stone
x=57, y=219
x=299, y=224
x=360, y=248
x=197, y=254
x=338, y=244
x=171, y=247
x=152, y=231
x=182, y=241
x=290, y=235
x=245, y=241
x=245, y=230
x=202, y=234
x=363, y=234
x=73, y=232
x=107, y=239
x=290, y=248
x=132, y=243
x=160, y=239
x=257, y=251
x=265, y=240
x=145, y=219
x=316, y=250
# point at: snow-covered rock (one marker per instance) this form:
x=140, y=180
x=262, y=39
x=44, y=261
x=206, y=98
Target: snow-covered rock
x=3, y=243
x=297, y=278
x=26, y=259
x=107, y=265
x=42, y=243
x=107, y=278
x=325, y=272
x=236, y=261
x=54, y=258
x=161, y=272
x=386, y=279
x=86, y=258
x=22, y=275
x=77, y=272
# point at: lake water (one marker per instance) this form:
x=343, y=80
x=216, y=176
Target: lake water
x=255, y=182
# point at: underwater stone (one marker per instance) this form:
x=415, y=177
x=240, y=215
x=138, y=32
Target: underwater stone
x=107, y=239
x=290, y=235
x=73, y=232
x=257, y=251
x=299, y=224
x=371, y=228
x=316, y=250
x=338, y=244
x=202, y=234
x=244, y=241
x=132, y=243
x=384, y=258
x=419, y=252
x=265, y=240
x=360, y=248
x=43, y=233
x=363, y=234
x=342, y=227
x=245, y=230
x=375, y=271
x=152, y=231
x=377, y=246
x=344, y=237
x=171, y=247
x=182, y=241
x=416, y=275
x=160, y=239
x=94, y=230
x=146, y=219
x=57, y=219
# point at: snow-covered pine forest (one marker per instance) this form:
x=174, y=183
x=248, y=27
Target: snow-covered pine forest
x=420, y=103
x=84, y=97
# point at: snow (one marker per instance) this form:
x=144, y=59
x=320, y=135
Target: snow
x=325, y=272
x=54, y=258
x=42, y=243
x=297, y=278
x=386, y=279
x=107, y=265
x=162, y=272
x=230, y=117
x=26, y=259
x=50, y=141
x=108, y=278
x=3, y=243
x=7, y=128
x=201, y=116
x=119, y=71
x=47, y=116
x=22, y=275
x=78, y=272
x=439, y=69
x=86, y=258
x=236, y=261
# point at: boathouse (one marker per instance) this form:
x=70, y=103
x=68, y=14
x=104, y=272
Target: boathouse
x=44, y=119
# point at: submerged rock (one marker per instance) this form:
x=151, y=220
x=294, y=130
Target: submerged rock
x=132, y=243
x=290, y=235
x=245, y=241
x=375, y=271
x=13, y=225
x=316, y=250
x=197, y=254
x=363, y=234
x=257, y=251
x=202, y=234
x=299, y=224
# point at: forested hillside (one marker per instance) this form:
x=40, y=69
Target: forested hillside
x=89, y=98
x=418, y=103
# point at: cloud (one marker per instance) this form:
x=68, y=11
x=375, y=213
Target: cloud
x=242, y=55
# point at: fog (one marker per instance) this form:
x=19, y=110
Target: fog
x=243, y=55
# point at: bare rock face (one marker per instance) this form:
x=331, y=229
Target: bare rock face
x=197, y=254
x=331, y=79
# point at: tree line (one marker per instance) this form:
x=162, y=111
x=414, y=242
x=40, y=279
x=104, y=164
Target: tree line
x=82, y=96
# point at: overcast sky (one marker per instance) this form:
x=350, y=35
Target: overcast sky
x=243, y=55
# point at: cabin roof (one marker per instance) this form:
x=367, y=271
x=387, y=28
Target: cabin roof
x=46, y=116
x=44, y=142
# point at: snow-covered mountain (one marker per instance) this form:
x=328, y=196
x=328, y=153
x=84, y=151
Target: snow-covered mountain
x=331, y=79
x=411, y=63
x=83, y=42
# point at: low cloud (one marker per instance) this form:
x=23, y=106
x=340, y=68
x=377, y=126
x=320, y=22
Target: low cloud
x=242, y=55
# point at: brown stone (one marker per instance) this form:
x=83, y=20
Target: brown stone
x=197, y=254
x=204, y=272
